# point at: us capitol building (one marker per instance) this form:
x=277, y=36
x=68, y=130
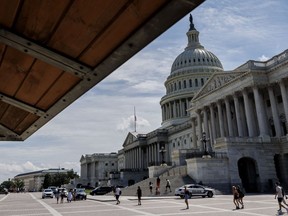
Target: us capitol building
x=221, y=127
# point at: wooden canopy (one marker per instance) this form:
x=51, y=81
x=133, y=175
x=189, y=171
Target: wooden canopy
x=53, y=51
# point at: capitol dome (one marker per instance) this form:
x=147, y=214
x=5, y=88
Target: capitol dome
x=189, y=73
x=195, y=56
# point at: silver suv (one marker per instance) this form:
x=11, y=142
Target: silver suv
x=47, y=193
x=195, y=190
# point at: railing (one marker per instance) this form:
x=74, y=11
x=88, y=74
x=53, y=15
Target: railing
x=160, y=164
x=219, y=155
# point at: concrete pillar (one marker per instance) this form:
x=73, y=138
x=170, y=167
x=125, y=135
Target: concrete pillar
x=260, y=112
x=248, y=114
x=229, y=118
x=238, y=116
x=213, y=126
x=285, y=100
x=194, y=137
x=275, y=115
x=220, y=119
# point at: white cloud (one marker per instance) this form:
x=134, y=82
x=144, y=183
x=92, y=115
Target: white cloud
x=263, y=58
x=128, y=124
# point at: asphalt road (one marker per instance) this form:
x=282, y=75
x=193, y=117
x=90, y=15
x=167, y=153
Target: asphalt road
x=24, y=204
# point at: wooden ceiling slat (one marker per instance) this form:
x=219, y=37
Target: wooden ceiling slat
x=13, y=70
x=65, y=83
x=119, y=30
x=38, y=19
x=8, y=10
x=3, y=107
x=82, y=23
x=27, y=122
x=40, y=79
x=12, y=117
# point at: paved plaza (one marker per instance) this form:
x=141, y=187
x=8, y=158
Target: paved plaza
x=24, y=204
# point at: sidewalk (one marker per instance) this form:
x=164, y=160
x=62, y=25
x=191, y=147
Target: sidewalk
x=110, y=198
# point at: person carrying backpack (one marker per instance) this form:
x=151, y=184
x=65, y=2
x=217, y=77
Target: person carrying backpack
x=240, y=196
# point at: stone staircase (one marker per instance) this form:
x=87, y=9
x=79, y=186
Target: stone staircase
x=177, y=177
x=176, y=181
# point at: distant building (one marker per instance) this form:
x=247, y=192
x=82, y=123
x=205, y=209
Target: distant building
x=33, y=181
x=98, y=169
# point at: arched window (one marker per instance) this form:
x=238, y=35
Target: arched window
x=184, y=83
x=196, y=82
x=179, y=84
x=202, y=81
x=190, y=83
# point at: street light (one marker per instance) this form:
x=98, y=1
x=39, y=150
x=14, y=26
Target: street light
x=162, y=152
x=204, y=140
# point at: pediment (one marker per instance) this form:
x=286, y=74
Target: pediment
x=130, y=138
x=217, y=81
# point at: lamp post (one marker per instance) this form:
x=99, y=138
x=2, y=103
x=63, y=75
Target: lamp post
x=204, y=140
x=162, y=152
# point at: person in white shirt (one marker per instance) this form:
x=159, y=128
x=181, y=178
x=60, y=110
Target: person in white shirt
x=117, y=195
x=279, y=194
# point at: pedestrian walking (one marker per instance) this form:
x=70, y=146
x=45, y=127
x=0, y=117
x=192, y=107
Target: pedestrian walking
x=280, y=195
x=57, y=195
x=186, y=196
x=139, y=195
x=69, y=196
x=158, y=186
x=117, y=194
x=235, y=196
x=62, y=195
x=241, y=196
x=150, y=187
x=168, y=185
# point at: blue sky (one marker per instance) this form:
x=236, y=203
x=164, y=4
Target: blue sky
x=235, y=31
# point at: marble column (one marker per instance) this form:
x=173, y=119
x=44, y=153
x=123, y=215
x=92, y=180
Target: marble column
x=275, y=114
x=219, y=109
x=260, y=112
x=205, y=118
x=213, y=126
x=229, y=117
x=194, y=137
x=285, y=100
x=248, y=114
x=199, y=127
x=238, y=116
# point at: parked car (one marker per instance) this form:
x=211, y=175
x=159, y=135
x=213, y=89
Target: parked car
x=81, y=194
x=53, y=188
x=47, y=193
x=101, y=190
x=195, y=190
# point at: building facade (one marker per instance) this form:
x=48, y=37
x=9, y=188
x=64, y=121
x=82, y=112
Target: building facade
x=98, y=169
x=33, y=181
x=226, y=127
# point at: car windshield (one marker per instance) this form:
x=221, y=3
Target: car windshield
x=80, y=190
x=48, y=190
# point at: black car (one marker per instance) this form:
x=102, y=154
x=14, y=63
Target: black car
x=101, y=190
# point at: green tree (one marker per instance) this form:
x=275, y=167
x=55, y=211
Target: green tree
x=47, y=180
x=7, y=184
x=18, y=184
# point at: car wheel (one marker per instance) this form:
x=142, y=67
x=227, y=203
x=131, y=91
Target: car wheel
x=190, y=195
x=181, y=196
x=209, y=194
